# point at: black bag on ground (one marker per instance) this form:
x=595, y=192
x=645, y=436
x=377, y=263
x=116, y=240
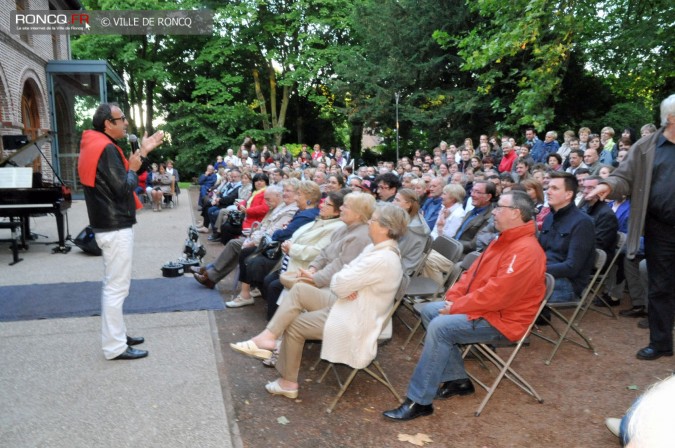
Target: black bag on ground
x=87, y=242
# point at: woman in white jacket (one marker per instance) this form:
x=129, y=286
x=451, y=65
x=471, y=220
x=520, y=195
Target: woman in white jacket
x=348, y=317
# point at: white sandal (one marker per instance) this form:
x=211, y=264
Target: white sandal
x=275, y=389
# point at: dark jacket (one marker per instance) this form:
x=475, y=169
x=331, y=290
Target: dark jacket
x=470, y=232
x=301, y=218
x=568, y=238
x=633, y=178
x=606, y=227
x=111, y=204
x=230, y=197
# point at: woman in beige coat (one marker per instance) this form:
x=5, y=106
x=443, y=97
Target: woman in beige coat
x=348, y=317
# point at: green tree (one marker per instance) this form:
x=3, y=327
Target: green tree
x=521, y=52
x=290, y=44
x=392, y=50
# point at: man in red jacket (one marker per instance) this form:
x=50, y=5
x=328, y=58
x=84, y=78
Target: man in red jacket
x=109, y=181
x=497, y=298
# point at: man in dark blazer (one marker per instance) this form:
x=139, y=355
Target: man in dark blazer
x=482, y=194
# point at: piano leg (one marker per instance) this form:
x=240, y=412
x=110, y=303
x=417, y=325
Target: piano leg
x=25, y=231
x=62, y=248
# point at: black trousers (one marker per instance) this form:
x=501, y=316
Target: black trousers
x=271, y=291
x=660, y=254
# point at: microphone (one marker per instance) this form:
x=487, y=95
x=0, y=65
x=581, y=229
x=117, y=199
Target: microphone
x=133, y=141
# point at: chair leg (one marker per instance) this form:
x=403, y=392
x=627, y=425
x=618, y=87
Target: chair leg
x=342, y=389
x=563, y=334
x=413, y=330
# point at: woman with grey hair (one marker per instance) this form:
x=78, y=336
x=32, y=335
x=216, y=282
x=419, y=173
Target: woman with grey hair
x=449, y=220
x=348, y=316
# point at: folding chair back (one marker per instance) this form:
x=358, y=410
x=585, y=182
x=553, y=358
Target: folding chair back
x=450, y=248
x=573, y=322
x=504, y=366
x=469, y=259
x=381, y=377
x=425, y=253
x=597, y=289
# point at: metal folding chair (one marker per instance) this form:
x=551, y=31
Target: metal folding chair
x=504, y=366
x=378, y=374
x=573, y=322
x=425, y=289
x=455, y=274
x=597, y=290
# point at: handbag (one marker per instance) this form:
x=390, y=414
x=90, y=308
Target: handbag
x=235, y=218
x=269, y=248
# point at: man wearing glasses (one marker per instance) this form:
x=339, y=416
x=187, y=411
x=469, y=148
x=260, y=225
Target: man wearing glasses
x=497, y=298
x=109, y=180
x=478, y=217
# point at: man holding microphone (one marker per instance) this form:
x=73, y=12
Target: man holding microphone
x=109, y=180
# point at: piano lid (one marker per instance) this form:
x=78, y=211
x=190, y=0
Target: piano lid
x=25, y=155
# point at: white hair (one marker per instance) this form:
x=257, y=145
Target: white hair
x=651, y=420
x=667, y=108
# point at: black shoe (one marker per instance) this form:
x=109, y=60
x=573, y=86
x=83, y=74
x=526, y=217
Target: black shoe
x=214, y=237
x=132, y=353
x=409, y=410
x=135, y=341
x=456, y=387
x=643, y=323
x=636, y=311
x=543, y=320
x=650, y=353
x=608, y=301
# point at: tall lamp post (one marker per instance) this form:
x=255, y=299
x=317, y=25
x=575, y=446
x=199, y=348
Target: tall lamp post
x=397, y=95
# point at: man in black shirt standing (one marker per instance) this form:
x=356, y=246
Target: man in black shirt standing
x=646, y=175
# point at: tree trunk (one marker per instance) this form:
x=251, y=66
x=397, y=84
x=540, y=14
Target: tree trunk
x=261, y=99
x=149, y=107
x=355, y=136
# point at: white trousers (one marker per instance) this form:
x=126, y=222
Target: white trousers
x=118, y=249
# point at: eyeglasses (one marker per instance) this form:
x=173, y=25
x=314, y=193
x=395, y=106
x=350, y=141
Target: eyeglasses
x=123, y=118
x=498, y=206
x=477, y=192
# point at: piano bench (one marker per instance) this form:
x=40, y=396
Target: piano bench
x=15, y=227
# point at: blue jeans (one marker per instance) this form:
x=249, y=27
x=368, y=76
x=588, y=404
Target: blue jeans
x=563, y=291
x=441, y=358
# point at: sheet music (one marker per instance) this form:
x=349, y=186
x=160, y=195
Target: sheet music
x=16, y=177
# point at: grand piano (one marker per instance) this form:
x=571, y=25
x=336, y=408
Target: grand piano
x=19, y=204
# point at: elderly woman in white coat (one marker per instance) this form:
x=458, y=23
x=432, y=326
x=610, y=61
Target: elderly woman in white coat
x=348, y=317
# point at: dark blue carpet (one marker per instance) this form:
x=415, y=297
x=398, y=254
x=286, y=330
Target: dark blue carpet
x=158, y=295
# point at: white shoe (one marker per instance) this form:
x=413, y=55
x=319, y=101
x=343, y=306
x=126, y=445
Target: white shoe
x=614, y=426
x=255, y=293
x=275, y=389
x=239, y=301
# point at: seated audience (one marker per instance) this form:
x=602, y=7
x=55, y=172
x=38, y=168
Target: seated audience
x=253, y=269
x=432, y=205
x=413, y=241
x=280, y=214
x=348, y=317
x=482, y=195
x=568, y=239
x=496, y=299
x=161, y=186
x=307, y=244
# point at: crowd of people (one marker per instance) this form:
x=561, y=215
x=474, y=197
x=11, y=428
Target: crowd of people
x=339, y=234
